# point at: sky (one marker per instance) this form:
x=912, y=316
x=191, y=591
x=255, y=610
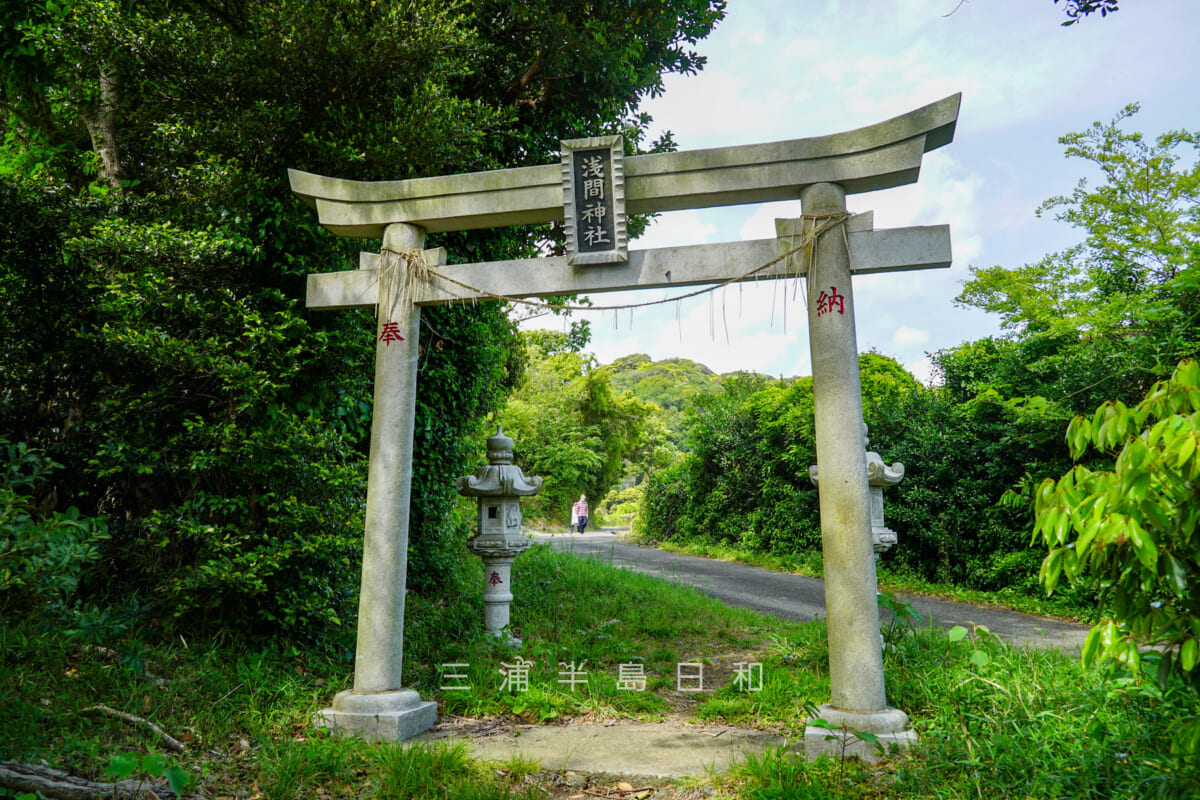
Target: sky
x=790, y=69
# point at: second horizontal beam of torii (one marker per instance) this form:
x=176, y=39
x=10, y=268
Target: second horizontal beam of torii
x=895, y=250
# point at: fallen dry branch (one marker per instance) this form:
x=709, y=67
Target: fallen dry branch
x=59, y=785
x=622, y=793
x=167, y=739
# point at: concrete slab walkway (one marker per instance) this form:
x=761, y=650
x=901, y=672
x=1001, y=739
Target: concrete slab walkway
x=633, y=751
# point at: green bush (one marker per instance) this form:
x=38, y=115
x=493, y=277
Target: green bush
x=1133, y=532
x=961, y=458
x=661, y=515
x=43, y=556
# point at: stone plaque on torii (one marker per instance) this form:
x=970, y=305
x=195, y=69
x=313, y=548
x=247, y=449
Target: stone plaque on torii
x=820, y=171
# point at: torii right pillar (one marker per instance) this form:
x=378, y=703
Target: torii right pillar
x=858, y=703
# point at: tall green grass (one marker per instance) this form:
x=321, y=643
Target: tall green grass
x=1013, y=724
x=1025, y=724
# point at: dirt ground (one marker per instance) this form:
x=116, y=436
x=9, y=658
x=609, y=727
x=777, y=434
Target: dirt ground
x=614, y=759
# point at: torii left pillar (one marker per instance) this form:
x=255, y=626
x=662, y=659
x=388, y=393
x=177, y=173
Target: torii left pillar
x=378, y=707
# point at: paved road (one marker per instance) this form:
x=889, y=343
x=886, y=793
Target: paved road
x=799, y=598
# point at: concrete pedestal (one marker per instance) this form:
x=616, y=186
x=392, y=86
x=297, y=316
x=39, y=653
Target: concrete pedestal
x=391, y=716
x=497, y=595
x=889, y=727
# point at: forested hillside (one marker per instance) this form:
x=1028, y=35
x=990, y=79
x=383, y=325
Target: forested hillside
x=672, y=384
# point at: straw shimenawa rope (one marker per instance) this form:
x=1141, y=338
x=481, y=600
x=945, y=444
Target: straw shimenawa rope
x=401, y=272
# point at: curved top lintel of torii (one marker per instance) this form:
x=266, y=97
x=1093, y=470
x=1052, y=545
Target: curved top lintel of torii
x=879, y=156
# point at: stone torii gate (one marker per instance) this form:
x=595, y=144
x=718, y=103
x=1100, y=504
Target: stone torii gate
x=820, y=171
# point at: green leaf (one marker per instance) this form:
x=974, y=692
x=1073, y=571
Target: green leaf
x=1077, y=436
x=1188, y=653
x=1051, y=569
x=1186, y=450
x=957, y=633
x=178, y=779
x=1091, y=646
x=1187, y=742
x=1188, y=373
x=1143, y=543
x=1062, y=524
x=979, y=658
x=153, y=764
x=1164, y=669
x=1087, y=536
x=122, y=766
x=1177, y=575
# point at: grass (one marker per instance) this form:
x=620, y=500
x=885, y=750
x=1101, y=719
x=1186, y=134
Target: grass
x=573, y=611
x=1015, y=724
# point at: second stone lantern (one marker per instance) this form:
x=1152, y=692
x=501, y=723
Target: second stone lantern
x=879, y=477
x=498, y=488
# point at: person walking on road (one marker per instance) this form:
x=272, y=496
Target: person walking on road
x=579, y=513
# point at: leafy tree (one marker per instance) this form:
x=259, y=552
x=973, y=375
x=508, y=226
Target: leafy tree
x=154, y=261
x=672, y=384
x=1107, y=318
x=1132, y=531
x=570, y=426
x=1103, y=319
x=744, y=479
x=961, y=459
x=42, y=553
x=1078, y=9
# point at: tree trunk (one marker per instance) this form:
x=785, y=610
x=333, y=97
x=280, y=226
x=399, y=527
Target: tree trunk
x=60, y=785
x=102, y=127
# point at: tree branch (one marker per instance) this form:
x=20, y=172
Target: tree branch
x=167, y=739
x=53, y=783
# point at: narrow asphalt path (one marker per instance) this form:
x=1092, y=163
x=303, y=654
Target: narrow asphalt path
x=800, y=598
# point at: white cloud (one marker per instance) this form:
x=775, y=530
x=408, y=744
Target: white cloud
x=719, y=108
x=778, y=71
x=945, y=195
x=909, y=336
x=803, y=48
x=757, y=327
x=751, y=327
x=761, y=224
x=922, y=370
x=675, y=229
x=752, y=37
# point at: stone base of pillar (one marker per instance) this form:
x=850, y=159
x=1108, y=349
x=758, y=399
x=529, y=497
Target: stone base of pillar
x=391, y=716
x=889, y=727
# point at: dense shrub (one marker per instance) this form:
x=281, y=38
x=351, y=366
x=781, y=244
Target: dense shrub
x=43, y=554
x=745, y=481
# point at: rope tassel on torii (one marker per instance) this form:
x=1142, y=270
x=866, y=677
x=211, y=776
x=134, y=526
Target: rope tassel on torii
x=595, y=185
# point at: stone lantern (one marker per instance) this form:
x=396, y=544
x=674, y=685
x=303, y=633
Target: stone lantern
x=498, y=488
x=879, y=476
